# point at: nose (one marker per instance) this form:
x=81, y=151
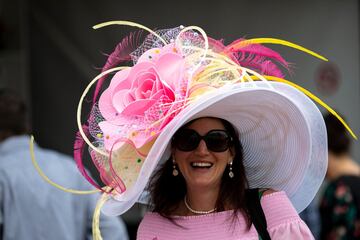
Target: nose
x=202, y=148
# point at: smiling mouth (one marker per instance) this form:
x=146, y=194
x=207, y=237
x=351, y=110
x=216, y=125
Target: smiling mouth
x=201, y=164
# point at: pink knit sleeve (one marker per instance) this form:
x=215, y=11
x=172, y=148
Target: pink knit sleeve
x=282, y=219
x=291, y=230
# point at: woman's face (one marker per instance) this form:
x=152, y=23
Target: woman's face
x=202, y=167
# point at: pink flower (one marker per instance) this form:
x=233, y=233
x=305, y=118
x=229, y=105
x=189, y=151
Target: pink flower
x=136, y=91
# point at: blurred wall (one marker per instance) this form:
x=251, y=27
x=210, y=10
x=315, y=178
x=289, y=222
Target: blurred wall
x=13, y=44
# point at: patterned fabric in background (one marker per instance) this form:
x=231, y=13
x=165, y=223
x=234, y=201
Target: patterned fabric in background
x=340, y=209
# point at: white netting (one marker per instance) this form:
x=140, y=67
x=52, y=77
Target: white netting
x=152, y=41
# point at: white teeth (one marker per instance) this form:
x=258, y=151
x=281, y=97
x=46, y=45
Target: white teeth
x=201, y=164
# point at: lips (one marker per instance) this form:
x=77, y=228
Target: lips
x=201, y=164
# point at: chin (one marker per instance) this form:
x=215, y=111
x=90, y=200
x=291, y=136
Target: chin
x=204, y=182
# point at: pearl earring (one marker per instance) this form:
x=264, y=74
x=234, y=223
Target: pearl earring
x=175, y=172
x=231, y=174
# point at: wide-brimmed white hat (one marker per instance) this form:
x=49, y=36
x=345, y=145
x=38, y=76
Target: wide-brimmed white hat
x=282, y=132
x=179, y=75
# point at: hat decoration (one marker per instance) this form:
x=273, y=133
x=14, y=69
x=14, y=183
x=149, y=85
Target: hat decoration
x=172, y=68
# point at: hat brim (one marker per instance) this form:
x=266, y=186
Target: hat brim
x=282, y=132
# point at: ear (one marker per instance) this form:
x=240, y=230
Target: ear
x=172, y=149
x=232, y=151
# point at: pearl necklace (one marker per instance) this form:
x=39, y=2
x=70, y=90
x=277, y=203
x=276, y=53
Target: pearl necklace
x=196, y=211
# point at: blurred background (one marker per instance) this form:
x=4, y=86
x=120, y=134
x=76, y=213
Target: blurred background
x=49, y=51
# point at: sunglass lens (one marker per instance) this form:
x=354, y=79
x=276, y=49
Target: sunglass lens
x=217, y=141
x=187, y=140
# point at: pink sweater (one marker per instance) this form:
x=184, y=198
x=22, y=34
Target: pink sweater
x=282, y=223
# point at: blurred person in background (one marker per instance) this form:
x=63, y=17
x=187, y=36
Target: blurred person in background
x=311, y=217
x=340, y=204
x=30, y=208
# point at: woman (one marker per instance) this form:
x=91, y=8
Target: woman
x=211, y=182
x=179, y=106
x=340, y=204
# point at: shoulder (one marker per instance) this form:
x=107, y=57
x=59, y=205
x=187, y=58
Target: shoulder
x=278, y=208
x=282, y=219
x=149, y=223
x=337, y=192
x=267, y=191
x=271, y=196
x=60, y=168
x=150, y=219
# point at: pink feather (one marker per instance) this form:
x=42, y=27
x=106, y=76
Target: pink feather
x=120, y=54
x=219, y=47
x=260, y=50
x=216, y=45
x=259, y=58
x=79, y=146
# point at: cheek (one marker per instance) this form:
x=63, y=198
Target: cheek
x=224, y=157
x=182, y=161
x=180, y=157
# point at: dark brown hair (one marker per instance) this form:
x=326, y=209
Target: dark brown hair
x=167, y=191
x=339, y=141
x=12, y=113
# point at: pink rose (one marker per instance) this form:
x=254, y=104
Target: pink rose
x=134, y=92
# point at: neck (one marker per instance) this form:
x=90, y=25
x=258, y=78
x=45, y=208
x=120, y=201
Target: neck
x=341, y=165
x=202, y=199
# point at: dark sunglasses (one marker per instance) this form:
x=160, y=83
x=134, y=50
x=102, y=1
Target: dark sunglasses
x=187, y=140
